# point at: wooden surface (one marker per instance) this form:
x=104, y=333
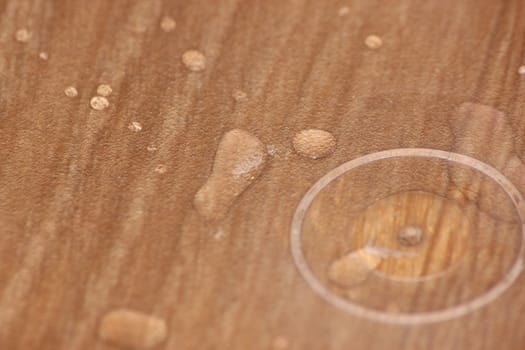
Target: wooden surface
x=88, y=225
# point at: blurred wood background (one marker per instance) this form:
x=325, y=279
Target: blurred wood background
x=88, y=225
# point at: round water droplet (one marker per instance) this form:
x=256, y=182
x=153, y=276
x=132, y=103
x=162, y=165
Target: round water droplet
x=373, y=41
x=104, y=90
x=272, y=150
x=71, y=91
x=161, y=169
x=99, y=103
x=314, y=143
x=135, y=126
x=410, y=235
x=343, y=11
x=239, y=95
x=167, y=24
x=194, y=60
x=280, y=343
x=23, y=35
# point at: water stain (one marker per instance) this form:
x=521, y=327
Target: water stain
x=483, y=132
x=132, y=329
x=479, y=130
x=240, y=158
x=314, y=143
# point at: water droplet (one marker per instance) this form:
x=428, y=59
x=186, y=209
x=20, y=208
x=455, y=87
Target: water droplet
x=239, y=160
x=71, y=91
x=194, y=60
x=239, y=95
x=314, y=143
x=43, y=55
x=218, y=234
x=168, y=24
x=151, y=148
x=272, y=150
x=373, y=41
x=161, y=169
x=353, y=268
x=135, y=126
x=343, y=11
x=132, y=329
x=280, y=343
x=410, y=236
x=104, y=90
x=521, y=70
x=99, y=103
x=23, y=35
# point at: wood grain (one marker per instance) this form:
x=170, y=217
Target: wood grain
x=88, y=226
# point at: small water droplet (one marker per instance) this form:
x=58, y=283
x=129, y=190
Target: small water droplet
x=410, y=236
x=135, y=126
x=239, y=160
x=99, y=103
x=521, y=70
x=132, y=329
x=168, y=24
x=373, y=42
x=280, y=343
x=239, y=95
x=343, y=11
x=272, y=150
x=43, y=55
x=151, y=148
x=314, y=143
x=194, y=60
x=23, y=35
x=71, y=91
x=104, y=90
x=218, y=234
x=161, y=169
